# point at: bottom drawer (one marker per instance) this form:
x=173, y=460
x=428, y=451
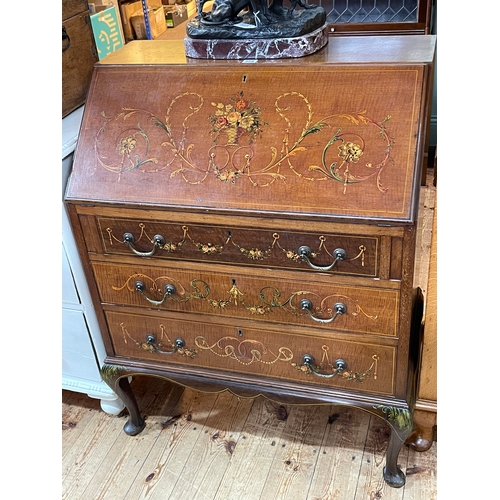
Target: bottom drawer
x=270, y=353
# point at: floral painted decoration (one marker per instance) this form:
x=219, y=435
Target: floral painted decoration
x=235, y=119
x=235, y=125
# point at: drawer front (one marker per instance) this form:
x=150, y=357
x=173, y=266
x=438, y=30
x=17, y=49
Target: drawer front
x=335, y=253
x=251, y=296
x=369, y=368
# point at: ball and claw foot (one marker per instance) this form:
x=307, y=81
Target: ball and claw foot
x=396, y=480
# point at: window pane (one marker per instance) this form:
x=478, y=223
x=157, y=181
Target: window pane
x=369, y=11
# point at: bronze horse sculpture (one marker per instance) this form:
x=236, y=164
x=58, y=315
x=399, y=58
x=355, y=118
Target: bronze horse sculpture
x=227, y=10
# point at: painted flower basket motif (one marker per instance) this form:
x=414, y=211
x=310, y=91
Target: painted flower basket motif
x=238, y=118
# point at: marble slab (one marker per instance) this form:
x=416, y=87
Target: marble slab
x=275, y=48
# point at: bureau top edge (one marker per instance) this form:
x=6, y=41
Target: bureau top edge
x=385, y=49
x=116, y=205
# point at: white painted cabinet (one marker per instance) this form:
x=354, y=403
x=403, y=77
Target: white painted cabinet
x=82, y=347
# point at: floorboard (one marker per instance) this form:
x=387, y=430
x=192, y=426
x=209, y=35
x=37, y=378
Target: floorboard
x=221, y=447
x=340, y=455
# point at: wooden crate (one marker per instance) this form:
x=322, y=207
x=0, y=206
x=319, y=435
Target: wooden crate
x=79, y=54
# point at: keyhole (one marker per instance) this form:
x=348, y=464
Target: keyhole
x=240, y=332
x=244, y=79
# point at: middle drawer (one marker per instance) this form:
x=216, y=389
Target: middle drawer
x=261, y=297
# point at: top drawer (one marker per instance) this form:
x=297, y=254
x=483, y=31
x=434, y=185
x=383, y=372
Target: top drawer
x=336, y=253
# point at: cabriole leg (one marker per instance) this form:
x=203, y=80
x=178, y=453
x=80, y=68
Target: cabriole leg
x=401, y=422
x=393, y=475
x=135, y=423
x=115, y=377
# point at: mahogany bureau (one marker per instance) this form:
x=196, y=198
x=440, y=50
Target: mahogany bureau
x=250, y=225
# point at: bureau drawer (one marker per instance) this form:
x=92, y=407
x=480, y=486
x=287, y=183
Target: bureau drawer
x=337, y=253
x=270, y=353
x=253, y=295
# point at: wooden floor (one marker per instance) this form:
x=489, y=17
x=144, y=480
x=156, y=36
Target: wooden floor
x=217, y=446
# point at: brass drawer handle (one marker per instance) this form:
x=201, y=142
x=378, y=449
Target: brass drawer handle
x=158, y=241
x=308, y=361
x=308, y=366
x=178, y=344
x=339, y=308
x=141, y=288
x=305, y=252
